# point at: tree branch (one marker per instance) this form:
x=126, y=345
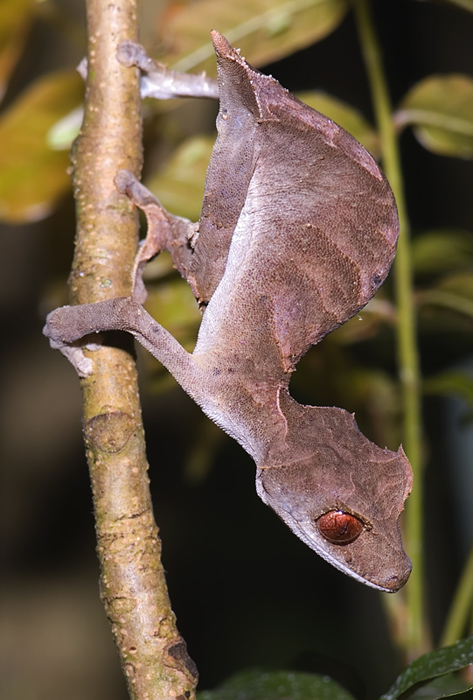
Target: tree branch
x=133, y=587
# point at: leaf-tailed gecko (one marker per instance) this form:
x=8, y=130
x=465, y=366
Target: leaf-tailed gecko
x=298, y=230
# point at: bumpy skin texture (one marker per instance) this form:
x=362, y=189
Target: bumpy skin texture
x=298, y=230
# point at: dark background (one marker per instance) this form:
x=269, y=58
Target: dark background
x=246, y=592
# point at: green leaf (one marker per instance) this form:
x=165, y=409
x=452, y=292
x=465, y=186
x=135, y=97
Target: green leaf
x=171, y=302
x=441, y=110
x=451, y=383
x=460, y=283
x=61, y=135
x=454, y=292
x=264, y=30
x=465, y=4
x=442, y=250
x=15, y=20
x=277, y=685
x=180, y=185
x=441, y=687
x=32, y=174
x=346, y=116
x=432, y=665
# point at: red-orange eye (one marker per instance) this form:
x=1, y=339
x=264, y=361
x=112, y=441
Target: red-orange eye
x=338, y=527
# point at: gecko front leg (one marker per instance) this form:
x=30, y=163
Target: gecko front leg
x=67, y=325
x=165, y=232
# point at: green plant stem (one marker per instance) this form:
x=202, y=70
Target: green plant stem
x=415, y=635
x=461, y=605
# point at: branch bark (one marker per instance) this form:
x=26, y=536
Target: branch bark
x=133, y=587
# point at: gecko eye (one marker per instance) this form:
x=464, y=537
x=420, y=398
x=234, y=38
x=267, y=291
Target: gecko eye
x=338, y=527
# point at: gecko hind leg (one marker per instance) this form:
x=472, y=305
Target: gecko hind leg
x=163, y=83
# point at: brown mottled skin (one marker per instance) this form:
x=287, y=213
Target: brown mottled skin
x=298, y=230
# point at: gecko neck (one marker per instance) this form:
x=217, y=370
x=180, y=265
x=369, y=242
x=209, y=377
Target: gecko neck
x=247, y=409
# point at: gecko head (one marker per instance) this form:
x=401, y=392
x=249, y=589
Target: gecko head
x=348, y=514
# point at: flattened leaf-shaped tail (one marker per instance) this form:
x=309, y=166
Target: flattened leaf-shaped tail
x=313, y=220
